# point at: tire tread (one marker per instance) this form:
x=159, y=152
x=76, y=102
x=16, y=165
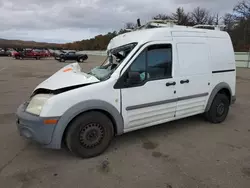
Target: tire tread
x=84, y=118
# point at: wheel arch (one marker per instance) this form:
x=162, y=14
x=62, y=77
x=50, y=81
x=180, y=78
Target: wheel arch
x=83, y=107
x=219, y=88
x=83, y=56
x=92, y=110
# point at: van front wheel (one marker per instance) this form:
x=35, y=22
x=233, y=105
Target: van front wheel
x=219, y=109
x=89, y=134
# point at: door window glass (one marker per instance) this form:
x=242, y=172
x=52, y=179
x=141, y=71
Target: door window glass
x=155, y=62
x=139, y=65
x=159, y=61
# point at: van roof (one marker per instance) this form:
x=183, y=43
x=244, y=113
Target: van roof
x=163, y=33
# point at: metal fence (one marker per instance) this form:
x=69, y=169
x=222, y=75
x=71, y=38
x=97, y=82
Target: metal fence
x=242, y=58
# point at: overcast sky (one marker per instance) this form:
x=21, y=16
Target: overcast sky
x=71, y=20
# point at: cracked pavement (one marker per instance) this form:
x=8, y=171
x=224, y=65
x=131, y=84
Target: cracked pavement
x=184, y=154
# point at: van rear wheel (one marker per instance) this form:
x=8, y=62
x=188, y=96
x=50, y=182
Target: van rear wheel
x=90, y=134
x=219, y=109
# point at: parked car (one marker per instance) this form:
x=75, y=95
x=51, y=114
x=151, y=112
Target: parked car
x=11, y=52
x=150, y=77
x=3, y=52
x=14, y=53
x=47, y=53
x=42, y=52
x=72, y=56
x=28, y=53
x=57, y=54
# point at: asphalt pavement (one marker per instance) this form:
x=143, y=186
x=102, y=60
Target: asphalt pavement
x=188, y=153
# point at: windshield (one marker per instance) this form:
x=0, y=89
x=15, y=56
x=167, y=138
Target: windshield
x=114, y=58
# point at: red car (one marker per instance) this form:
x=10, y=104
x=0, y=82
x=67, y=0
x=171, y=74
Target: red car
x=43, y=53
x=28, y=53
x=47, y=53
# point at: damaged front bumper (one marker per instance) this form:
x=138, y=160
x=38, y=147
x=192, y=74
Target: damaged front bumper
x=32, y=127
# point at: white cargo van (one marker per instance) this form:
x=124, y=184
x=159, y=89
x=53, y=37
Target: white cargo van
x=150, y=77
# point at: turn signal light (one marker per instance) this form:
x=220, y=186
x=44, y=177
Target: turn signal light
x=50, y=121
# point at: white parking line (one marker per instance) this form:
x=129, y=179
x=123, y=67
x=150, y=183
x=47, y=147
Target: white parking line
x=2, y=69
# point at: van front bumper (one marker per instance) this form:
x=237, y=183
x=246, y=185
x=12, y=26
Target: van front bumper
x=32, y=127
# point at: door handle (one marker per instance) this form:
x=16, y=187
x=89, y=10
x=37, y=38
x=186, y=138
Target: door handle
x=184, y=81
x=170, y=84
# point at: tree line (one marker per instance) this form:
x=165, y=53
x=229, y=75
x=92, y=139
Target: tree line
x=237, y=24
x=19, y=44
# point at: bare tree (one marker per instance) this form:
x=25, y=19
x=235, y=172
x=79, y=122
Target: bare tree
x=240, y=32
x=211, y=20
x=243, y=10
x=200, y=16
x=217, y=19
x=181, y=17
x=229, y=21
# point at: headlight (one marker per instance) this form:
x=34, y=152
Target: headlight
x=36, y=104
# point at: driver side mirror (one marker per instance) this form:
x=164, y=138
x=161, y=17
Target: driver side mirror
x=133, y=78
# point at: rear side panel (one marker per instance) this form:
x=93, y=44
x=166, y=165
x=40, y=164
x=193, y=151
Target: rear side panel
x=223, y=62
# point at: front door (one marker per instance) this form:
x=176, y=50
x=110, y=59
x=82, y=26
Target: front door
x=28, y=53
x=71, y=56
x=152, y=100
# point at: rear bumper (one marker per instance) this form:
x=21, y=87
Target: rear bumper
x=32, y=127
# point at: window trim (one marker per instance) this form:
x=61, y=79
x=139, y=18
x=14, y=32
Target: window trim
x=120, y=84
x=113, y=50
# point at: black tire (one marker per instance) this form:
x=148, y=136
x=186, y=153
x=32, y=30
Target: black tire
x=80, y=60
x=62, y=59
x=219, y=109
x=90, y=134
x=86, y=57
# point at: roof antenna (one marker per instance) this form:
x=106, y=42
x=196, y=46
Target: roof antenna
x=138, y=22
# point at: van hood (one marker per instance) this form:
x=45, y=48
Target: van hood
x=68, y=76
